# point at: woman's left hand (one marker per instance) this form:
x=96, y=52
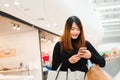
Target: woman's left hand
x=85, y=54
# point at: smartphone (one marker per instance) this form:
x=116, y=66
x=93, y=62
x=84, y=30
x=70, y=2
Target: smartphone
x=82, y=48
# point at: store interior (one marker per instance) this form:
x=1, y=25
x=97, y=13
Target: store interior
x=28, y=35
x=19, y=50
x=24, y=49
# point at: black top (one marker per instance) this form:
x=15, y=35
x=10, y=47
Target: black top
x=63, y=57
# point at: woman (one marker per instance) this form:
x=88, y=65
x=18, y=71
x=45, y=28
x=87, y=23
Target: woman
x=73, y=50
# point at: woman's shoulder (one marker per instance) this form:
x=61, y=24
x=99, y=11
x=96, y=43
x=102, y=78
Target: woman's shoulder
x=87, y=42
x=58, y=43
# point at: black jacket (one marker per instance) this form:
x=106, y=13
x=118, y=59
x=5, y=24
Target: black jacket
x=59, y=58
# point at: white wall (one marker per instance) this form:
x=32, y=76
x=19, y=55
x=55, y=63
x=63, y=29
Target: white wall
x=27, y=51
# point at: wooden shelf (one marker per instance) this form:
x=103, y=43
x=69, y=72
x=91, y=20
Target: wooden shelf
x=15, y=70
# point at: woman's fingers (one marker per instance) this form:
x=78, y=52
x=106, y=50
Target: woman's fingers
x=74, y=58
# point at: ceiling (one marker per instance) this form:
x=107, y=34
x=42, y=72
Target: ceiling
x=100, y=18
x=6, y=27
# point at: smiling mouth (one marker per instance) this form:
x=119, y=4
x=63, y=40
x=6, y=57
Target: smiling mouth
x=74, y=35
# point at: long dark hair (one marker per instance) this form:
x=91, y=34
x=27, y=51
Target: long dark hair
x=66, y=38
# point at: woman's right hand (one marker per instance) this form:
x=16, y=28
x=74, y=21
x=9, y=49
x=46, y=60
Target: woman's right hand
x=74, y=59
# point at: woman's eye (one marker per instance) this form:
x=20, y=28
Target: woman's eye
x=72, y=28
x=75, y=29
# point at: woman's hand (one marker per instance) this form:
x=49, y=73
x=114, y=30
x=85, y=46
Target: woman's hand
x=81, y=54
x=75, y=58
x=85, y=54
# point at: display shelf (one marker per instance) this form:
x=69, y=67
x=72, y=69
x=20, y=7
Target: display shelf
x=15, y=70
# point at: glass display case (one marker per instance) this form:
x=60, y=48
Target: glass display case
x=48, y=41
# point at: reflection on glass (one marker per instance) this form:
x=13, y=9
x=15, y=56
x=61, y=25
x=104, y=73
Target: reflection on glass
x=48, y=41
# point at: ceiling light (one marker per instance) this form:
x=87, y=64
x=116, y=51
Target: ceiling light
x=48, y=25
x=14, y=26
x=18, y=27
x=6, y=5
x=95, y=41
x=54, y=24
x=43, y=39
x=16, y=3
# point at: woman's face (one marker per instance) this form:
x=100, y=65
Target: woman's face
x=75, y=31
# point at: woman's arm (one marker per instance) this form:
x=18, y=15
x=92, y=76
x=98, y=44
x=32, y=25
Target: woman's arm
x=56, y=57
x=95, y=57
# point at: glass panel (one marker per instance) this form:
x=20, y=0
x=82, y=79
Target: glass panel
x=19, y=51
x=48, y=41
